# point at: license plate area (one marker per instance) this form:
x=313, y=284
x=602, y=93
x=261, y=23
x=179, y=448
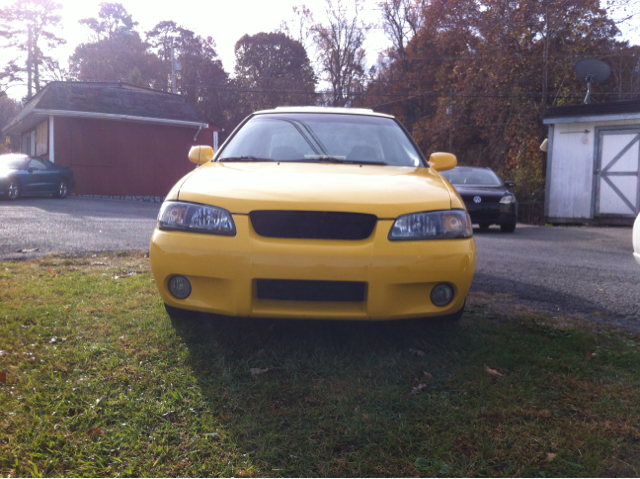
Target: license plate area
x=311, y=290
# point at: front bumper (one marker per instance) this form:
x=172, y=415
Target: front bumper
x=492, y=213
x=399, y=276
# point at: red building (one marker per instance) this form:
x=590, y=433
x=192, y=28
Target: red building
x=119, y=139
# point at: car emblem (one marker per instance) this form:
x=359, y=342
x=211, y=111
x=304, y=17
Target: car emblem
x=477, y=199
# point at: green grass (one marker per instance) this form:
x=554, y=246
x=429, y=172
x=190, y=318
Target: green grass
x=100, y=382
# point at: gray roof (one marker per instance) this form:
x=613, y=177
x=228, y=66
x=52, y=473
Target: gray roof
x=110, y=100
x=591, y=111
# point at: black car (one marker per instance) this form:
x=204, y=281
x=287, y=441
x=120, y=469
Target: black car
x=25, y=175
x=486, y=196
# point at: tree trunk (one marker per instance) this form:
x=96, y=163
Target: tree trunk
x=29, y=63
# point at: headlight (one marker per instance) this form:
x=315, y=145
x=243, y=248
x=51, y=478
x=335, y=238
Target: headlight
x=507, y=200
x=176, y=215
x=432, y=225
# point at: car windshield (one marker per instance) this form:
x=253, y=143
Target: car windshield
x=472, y=176
x=322, y=137
x=11, y=162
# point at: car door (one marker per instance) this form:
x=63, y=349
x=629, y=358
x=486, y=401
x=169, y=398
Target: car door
x=40, y=178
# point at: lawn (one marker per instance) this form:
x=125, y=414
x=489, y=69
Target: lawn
x=96, y=380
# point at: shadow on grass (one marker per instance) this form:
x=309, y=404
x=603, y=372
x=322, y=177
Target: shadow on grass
x=317, y=397
x=246, y=337
x=485, y=397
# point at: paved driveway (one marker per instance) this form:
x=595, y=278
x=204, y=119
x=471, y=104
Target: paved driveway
x=74, y=225
x=585, y=270
x=589, y=271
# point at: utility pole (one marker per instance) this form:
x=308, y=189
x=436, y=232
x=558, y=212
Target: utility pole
x=450, y=115
x=173, y=70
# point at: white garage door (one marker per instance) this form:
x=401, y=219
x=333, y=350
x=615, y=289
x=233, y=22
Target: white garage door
x=618, y=188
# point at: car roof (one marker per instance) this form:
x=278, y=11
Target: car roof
x=323, y=109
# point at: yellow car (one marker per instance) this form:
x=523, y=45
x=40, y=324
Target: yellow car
x=315, y=213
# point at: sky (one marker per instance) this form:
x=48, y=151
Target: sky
x=225, y=21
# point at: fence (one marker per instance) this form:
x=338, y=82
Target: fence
x=531, y=213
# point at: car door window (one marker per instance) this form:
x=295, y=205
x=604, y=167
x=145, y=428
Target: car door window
x=38, y=164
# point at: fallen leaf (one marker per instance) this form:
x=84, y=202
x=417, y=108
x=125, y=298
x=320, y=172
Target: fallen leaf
x=416, y=352
x=428, y=374
x=416, y=390
x=68, y=310
x=551, y=456
x=28, y=250
x=255, y=371
x=494, y=372
x=591, y=355
x=96, y=432
x=3, y=376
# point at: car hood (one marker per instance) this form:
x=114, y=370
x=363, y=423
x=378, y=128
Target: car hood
x=481, y=190
x=385, y=191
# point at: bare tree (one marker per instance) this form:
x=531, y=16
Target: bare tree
x=340, y=54
x=401, y=20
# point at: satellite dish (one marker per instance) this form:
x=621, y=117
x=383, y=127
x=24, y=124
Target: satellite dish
x=592, y=71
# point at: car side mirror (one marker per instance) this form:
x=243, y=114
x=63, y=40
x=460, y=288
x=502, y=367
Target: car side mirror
x=200, y=154
x=31, y=169
x=442, y=161
x=509, y=184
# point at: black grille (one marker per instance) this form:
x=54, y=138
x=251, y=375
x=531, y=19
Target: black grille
x=303, y=290
x=313, y=224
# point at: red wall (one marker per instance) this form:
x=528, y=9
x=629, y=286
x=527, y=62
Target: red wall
x=119, y=158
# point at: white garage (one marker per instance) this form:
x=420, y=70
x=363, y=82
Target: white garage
x=593, y=162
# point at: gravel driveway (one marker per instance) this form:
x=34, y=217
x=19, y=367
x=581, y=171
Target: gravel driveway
x=588, y=271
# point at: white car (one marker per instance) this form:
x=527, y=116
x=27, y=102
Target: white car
x=636, y=239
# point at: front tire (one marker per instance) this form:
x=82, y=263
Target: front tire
x=13, y=190
x=508, y=227
x=63, y=189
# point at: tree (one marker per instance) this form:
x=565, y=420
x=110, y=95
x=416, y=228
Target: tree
x=31, y=25
x=478, y=77
x=201, y=80
x=401, y=20
x=9, y=109
x=116, y=52
x=272, y=69
x=340, y=54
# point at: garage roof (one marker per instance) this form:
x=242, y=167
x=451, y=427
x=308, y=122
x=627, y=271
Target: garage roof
x=106, y=100
x=613, y=110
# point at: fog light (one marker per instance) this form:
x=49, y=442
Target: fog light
x=442, y=294
x=180, y=287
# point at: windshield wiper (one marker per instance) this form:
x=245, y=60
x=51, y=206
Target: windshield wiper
x=244, y=158
x=333, y=159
